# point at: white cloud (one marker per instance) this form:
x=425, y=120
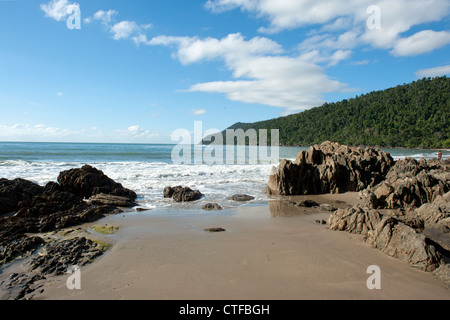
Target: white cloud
x=59, y=9
x=263, y=75
x=59, y=94
x=422, y=42
x=198, y=112
x=121, y=30
x=33, y=132
x=124, y=29
x=105, y=16
x=193, y=49
x=137, y=132
x=351, y=16
x=433, y=72
x=42, y=132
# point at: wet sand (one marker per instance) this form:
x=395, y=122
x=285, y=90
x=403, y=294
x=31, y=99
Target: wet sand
x=275, y=252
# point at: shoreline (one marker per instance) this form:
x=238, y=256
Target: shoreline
x=165, y=254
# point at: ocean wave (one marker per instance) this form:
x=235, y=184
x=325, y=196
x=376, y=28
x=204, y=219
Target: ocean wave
x=148, y=179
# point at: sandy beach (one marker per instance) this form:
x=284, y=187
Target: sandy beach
x=269, y=251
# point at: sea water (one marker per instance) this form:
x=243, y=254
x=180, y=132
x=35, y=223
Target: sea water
x=148, y=168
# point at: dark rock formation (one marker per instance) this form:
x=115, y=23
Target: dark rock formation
x=22, y=285
x=14, y=246
x=88, y=181
x=60, y=255
x=53, y=210
x=182, y=194
x=42, y=209
x=37, y=209
x=330, y=168
x=12, y=192
x=211, y=206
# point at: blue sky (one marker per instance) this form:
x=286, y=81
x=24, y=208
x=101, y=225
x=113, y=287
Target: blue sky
x=135, y=71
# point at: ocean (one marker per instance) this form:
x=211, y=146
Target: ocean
x=148, y=168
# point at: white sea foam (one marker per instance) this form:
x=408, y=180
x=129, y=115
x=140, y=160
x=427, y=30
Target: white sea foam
x=217, y=182
x=149, y=177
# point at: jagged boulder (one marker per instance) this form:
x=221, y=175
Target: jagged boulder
x=403, y=242
x=354, y=220
x=392, y=236
x=409, y=184
x=330, y=168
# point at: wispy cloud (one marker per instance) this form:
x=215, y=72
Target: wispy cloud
x=263, y=72
x=198, y=112
x=120, y=30
x=136, y=132
x=42, y=132
x=433, y=72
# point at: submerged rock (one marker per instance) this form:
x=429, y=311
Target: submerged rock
x=14, y=246
x=212, y=206
x=215, y=230
x=330, y=168
x=305, y=203
x=242, y=197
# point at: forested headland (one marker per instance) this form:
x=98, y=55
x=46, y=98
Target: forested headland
x=414, y=115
